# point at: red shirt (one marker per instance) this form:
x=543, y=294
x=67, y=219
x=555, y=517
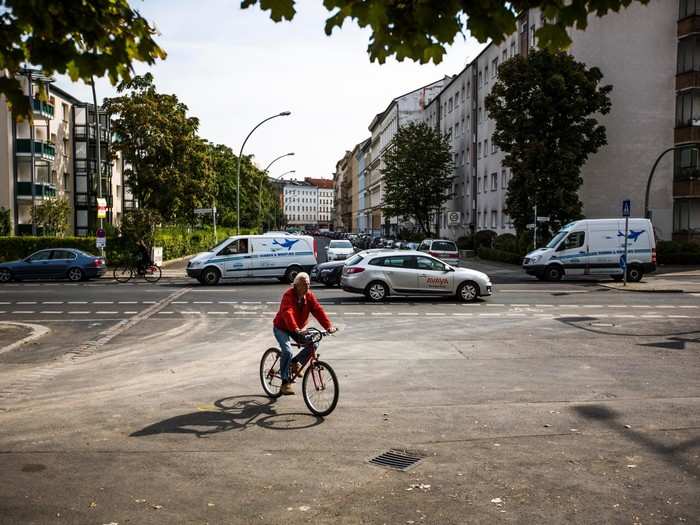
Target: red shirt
x=294, y=312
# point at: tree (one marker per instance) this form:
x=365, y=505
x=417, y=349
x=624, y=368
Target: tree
x=5, y=222
x=52, y=215
x=167, y=165
x=83, y=39
x=417, y=174
x=420, y=29
x=543, y=106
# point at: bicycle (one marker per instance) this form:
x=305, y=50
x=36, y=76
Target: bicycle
x=320, y=383
x=126, y=271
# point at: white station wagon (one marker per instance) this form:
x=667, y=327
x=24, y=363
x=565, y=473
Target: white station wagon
x=378, y=274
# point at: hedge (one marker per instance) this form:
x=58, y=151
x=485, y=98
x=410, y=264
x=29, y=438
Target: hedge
x=677, y=252
x=12, y=248
x=500, y=255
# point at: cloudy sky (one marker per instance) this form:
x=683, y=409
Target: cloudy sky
x=235, y=67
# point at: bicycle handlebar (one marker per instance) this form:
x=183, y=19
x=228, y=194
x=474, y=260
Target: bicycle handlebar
x=314, y=334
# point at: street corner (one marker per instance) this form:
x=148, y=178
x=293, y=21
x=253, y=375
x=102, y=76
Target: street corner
x=654, y=285
x=13, y=334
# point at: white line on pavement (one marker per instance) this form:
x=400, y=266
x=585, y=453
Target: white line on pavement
x=688, y=306
x=148, y=302
x=128, y=302
x=165, y=313
x=354, y=313
x=467, y=314
x=179, y=302
x=51, y=312
x=26, y=302
x=544, y=306
x=131, y=312
x=77, y=302
x=52, y=302
x=617, y=306
x=250, y=302
x=201, y=302
x=106, y=312
x=640, y=306
x=228, y=302
x=415, y=313
x=678, y=317
x=23, y=311
x=665, y=306
x=103, y=302
x=79, y=312
x=217, y=313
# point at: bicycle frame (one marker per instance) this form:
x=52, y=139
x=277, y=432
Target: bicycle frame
x=313, y=358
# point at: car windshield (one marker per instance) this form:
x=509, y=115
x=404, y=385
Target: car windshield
x=341, y=244
x=354, y=260
x=558, y=237
x=217, y=247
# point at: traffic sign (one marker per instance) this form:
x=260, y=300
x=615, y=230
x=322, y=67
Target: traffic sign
x=204, y=211
x=530, y=226
x=626, y=207
x=453, y=218
x=542, y=219
x=100, y=233
x=101, y=208
x=100, y=242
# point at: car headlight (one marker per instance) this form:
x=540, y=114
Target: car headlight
x=194, y=264
x=534, y=259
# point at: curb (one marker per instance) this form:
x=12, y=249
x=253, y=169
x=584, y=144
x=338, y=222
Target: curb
x=653, y=290
x=37, y=332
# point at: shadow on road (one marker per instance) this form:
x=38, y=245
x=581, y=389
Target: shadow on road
x=234, y=413
x=668, y=453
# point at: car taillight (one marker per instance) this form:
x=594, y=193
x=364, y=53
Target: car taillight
x=315, y=248
x=434, y=254
x=653, y=255
x=353, y=269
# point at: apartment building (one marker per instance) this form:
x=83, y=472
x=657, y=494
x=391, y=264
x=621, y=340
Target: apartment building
x=308, y=204
x=54, y=155
x=401, y=111
x=346, y=170
x=359, y=213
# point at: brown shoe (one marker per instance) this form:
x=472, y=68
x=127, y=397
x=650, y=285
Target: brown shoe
x=287, y=389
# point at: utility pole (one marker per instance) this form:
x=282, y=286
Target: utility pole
x=99, y=154
x=534, y=230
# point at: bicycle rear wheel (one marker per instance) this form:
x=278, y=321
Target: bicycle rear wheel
x=122, y=273
x=320, y=388
x=152, y=273
x=270, y=372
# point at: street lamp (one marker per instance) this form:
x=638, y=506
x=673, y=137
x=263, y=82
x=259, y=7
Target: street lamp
x=260, y=185
x=238, y=174
x=694, y=145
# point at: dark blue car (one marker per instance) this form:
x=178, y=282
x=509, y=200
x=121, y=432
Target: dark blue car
x=54, y=263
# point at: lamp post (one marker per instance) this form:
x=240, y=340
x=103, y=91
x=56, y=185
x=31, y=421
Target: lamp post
x=260, y=185
x=238, y=174
x=693, y=145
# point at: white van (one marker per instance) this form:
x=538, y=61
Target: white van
x=596, y=247
x=280, y=256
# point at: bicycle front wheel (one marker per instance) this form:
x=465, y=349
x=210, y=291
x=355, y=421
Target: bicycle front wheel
x=122, y=273
x=152, y=274
x=270, y=372
x=320, y=388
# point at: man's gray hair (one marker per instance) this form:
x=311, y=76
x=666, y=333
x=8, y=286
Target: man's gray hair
x=302, y=276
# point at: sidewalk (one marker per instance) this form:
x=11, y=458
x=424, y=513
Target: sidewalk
x=666, y=280
x=171, y=268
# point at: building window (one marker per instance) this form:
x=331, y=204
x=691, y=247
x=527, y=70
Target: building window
x=688, y=8
x=533, y=42
x=504, y=57
x=66, y=112
x=457, y=130
x=494, y=149
x=504, y=180
x=479, y=150
x=494, y=67
x=494, y=181
x=486, y=75
x=512, y=49
x=457, y=100
x=469, y=87
x=481, y=79
x=689, y=54
x=688, y=109
x=449, y=105
x=479, y=116
x=685, y=164
x=494, y=219
x=486, y=182
x=486, y=147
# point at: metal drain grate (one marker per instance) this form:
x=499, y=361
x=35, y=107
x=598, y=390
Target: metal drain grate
x=396, y=460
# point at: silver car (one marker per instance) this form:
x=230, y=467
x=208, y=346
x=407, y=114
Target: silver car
x=381, y=273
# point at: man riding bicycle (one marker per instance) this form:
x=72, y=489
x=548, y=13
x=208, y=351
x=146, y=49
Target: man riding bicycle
x=289, y=323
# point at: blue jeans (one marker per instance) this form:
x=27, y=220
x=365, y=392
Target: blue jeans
x=285, y=341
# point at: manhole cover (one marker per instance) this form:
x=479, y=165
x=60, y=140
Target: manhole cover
x=396, y=460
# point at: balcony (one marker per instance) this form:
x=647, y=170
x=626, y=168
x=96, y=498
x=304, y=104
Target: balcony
x=689, y=24
x=41, y=190
x=42, y=109
x=43, y=150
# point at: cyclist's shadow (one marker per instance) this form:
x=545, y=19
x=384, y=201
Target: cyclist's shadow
x=234, y=413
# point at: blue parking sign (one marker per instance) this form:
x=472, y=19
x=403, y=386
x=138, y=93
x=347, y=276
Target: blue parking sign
x=626, y=206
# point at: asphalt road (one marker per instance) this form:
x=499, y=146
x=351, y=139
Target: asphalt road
x=545, y=403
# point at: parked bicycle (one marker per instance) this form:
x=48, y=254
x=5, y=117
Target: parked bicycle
x=123, y=273
x=320, y=383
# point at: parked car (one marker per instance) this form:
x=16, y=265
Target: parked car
x=282, y=256
x=443, y=249
x=596, y=247
x=382, y=273
x=55, y=263
x=328, y=273
x=339, y=250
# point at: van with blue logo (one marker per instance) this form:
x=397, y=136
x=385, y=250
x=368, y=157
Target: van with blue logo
x=281, y=256
x=595, y=247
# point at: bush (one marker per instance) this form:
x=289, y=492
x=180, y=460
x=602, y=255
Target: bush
x=485, y=238
x=677, y=252
x=500, y=255
x=506, y=242
x=466, y=242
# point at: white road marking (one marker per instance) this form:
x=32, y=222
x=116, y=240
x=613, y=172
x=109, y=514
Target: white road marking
x=201, y=302
x=568, y=306
x=495, y=304
x=617, y=306
x=51, y=312
x=490, y=315
x=551, y=290
x=437, y=313
x=354, y=313
x=250, y=302
x=77, y=302
x=106, y=312
x=650, y=316
x=26, y=302
x=79, y=312
x=103, y=302
x=544, y=306
x=455, y=314
x=623, y=316
x=165, y=313
x=3, y=302
x=640, y=306
x=23, y=311
x=217, y=313
x=678, y=317
x=383, y=313
x=271, y=302
x=179, y=302
x=666, y=306
x=229, y=302
x=516, y=315
x=128, y=302
x=688, y=306
x=131, y=312
x=523, y=305
x=52, y=302
x=414, y=313
x=148, y=302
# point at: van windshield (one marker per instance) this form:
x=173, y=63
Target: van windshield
x=558, y=237
x=217, y=247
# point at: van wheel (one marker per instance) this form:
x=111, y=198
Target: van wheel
x=291, y=273
x=468, y=292
x=553, y=273
x=210, y=276
x=634, y=274
x=376, y=291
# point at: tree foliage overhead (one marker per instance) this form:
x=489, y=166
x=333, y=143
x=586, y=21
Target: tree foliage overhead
x=421, y=29
x=167, y=165
x=417, y=174
x=544, y=107
x=80, y=38
x=52, y=215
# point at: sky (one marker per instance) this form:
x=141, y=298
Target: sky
x=234, y=67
